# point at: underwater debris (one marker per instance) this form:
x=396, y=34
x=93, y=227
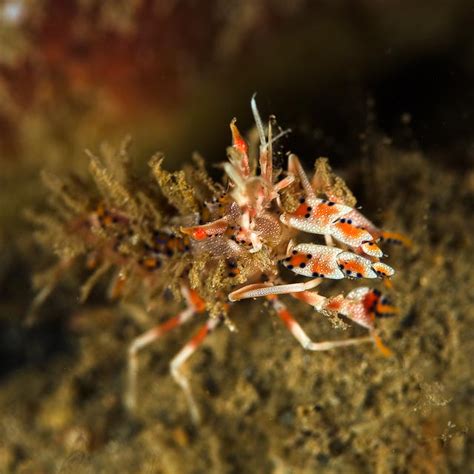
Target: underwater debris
x=213, y=244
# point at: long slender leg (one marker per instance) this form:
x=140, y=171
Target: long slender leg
x=182, y=356
x=144, y=340
x=299, y=334
x=295, y=168
x=258, y=290
x=194, y=305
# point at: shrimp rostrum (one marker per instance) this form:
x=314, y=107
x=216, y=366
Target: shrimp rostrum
x=213, y=244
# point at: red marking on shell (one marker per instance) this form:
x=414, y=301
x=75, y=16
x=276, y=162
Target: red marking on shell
x=323, y=261
x=301, y=211
x=199, y=234
x=355, y=265
x=237, y=141
x=296, y=260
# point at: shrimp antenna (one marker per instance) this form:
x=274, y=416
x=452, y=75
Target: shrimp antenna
x=258, y=121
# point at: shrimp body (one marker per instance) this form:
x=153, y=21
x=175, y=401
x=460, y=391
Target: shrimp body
x=214, y=243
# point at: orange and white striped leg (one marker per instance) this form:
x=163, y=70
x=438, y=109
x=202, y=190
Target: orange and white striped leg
x=194, y=305
x=299, y=334
x=141, y=342
x=182, y=356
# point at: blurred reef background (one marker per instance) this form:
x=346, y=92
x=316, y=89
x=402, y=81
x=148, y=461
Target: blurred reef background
x=385, y=90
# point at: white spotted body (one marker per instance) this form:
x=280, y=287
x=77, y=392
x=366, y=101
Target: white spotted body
x=337, y=221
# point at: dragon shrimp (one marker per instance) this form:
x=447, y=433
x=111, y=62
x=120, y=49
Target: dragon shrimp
x=212, y=244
